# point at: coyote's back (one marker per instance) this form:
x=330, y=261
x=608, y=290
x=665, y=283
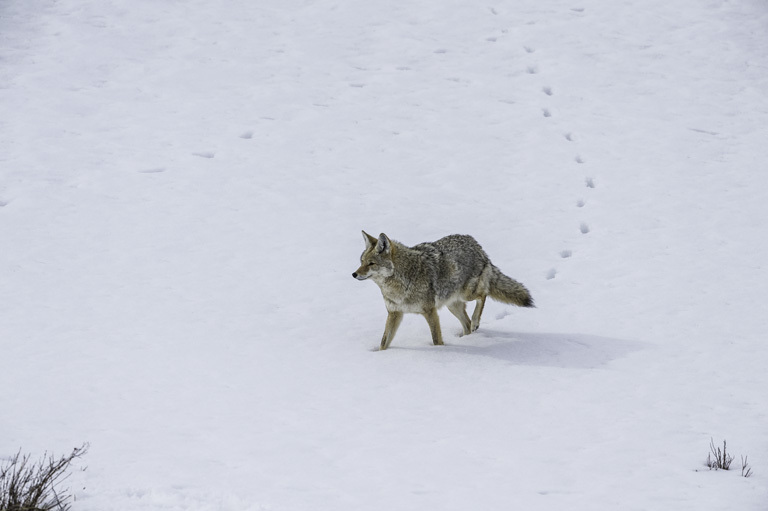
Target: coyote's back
x=450, y=271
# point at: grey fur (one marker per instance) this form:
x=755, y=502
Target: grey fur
x=421, y=279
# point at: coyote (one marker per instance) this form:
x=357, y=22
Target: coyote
x=421, y=279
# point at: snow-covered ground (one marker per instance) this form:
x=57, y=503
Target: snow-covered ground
x=182, y=188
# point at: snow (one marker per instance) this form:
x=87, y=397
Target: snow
x=182, y=188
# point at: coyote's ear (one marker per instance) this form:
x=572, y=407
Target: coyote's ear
x=383, y=245
x=369, y=240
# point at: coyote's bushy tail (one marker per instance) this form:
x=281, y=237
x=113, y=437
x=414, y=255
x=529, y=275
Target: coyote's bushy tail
x=508, y=290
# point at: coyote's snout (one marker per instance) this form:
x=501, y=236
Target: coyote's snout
x=421, y=279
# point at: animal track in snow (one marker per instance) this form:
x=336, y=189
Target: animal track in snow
x=546, y=112
x=584, y=228
x=578, y=9
x=565, y=254
x=246, y=135
x=441, y=51
x=578, y=159
x=569, y=137
x=580, y=203
x=494, y=11
x=204, y=154
x=157, y=170
x=3, y=203
x=532, y=70
x=529, y=49
x=547, y=91
x=704, y=131
x=491, y=39
x=551, y=273
x=590, y=182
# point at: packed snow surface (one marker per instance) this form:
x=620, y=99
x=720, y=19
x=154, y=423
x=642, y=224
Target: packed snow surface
x=182, y=189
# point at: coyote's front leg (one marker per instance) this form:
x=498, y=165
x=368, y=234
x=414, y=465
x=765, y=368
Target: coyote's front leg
x=393, y=322
x=434, y=326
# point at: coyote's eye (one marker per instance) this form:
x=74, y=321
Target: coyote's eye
x=371, y=264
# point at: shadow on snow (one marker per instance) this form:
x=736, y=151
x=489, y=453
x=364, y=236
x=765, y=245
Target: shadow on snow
x=576, y=351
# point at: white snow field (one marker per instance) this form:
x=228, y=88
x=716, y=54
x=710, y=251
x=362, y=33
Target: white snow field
x=182, y=189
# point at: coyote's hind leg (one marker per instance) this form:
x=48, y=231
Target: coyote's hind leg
x=479, y=304
x=459, y=309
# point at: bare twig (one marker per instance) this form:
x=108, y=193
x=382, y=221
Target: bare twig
x=30, y=486
x=746, y=470
x=722, y=460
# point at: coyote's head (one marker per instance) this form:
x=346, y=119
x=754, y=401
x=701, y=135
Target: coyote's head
x=376, y=259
